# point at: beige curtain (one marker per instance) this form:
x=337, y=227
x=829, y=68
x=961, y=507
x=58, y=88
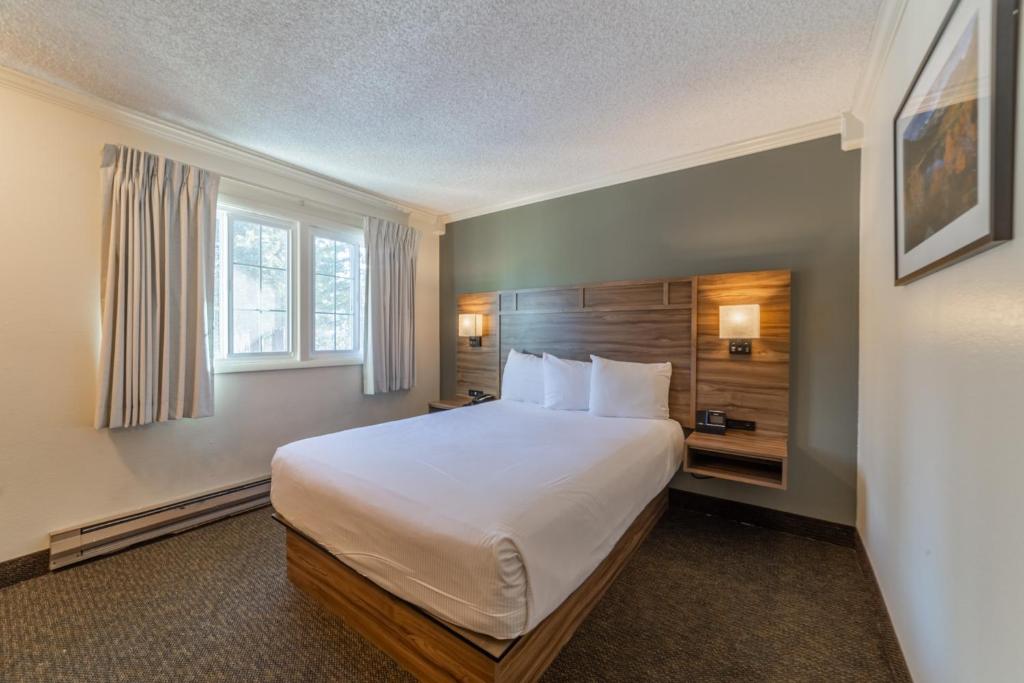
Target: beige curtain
x=389, y=359
x=156, y=285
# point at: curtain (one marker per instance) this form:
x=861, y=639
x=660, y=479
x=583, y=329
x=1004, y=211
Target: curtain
x=156, y=287
x=389, y=362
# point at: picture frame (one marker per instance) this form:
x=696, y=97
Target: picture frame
x=954, y=140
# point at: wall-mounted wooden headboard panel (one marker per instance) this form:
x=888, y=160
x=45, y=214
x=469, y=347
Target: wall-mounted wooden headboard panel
x=627, y=321
x=647, y=321
x=476, y=367
x=644, y=321
x=754, y=387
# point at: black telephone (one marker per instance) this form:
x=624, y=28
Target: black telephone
x=716, y=422
x=480, y=397
x=711, y=421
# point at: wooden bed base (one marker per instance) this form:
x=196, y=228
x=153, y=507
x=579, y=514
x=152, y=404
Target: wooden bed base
x=433, y=650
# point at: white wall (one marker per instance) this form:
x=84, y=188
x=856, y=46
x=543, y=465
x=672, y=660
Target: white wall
x=55, y=469
x=941, y=455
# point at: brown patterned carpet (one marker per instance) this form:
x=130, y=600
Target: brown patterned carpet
x=704, y=599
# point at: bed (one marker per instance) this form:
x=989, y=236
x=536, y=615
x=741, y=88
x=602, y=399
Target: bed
x=470, y=545
x=484, y=520
x=487, y=517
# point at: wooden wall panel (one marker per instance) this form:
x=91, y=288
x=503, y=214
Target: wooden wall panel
x=680, y=292
x=648, y=321
x=754, y=387
x=624, y=295
x=477, y=367
x=534, y=300
x=640, y=336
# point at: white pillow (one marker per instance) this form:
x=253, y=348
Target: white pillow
x=523, y=379
x=566, y=383
x=620, y=389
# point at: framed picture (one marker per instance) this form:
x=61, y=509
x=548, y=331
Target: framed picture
x=953, y=140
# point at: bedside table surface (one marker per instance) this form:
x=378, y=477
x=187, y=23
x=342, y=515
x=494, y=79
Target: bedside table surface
x=449, y=403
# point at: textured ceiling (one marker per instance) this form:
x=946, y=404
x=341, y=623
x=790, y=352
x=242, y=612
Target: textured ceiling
x=461, y=103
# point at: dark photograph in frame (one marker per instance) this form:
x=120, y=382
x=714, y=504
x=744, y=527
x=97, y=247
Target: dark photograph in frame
x=954, y=141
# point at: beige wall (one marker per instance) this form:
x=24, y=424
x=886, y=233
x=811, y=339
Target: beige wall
x=55, y=469
x=941, y=458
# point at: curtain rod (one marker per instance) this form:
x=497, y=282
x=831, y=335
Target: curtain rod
x=110, y=151
x=304, y=201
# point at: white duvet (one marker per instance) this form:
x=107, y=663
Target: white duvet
x=488, y=517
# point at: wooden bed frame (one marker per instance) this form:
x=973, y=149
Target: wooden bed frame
x=434, y=650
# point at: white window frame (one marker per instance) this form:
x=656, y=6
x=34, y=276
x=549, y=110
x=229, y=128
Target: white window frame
x=228, y=263
x=301, y=331
x=340, y=233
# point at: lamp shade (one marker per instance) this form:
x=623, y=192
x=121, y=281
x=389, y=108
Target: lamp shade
x=739, y=322
x=471, y=325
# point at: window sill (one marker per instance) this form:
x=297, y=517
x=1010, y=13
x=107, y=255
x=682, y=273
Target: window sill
x=225, y=367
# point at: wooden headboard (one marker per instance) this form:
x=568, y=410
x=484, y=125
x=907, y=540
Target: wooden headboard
x=477, y=367
x=754, y=387
x=645, y=321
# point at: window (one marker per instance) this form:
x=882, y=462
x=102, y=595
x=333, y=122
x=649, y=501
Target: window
x=275, y=308
x=336, y=294
x=258, y=285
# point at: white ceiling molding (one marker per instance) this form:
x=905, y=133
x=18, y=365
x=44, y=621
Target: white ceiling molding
x=851, y=132
x=882, y=38
x=791, y=136
x=427, y=222
x=285, y=205
x=108, y=111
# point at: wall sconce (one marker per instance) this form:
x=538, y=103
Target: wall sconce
x=471, y=325
x=739, y=324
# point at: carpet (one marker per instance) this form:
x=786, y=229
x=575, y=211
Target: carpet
x=704, y=599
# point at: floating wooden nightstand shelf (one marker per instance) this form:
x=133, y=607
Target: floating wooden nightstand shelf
x=449, y=403
x=739, y=456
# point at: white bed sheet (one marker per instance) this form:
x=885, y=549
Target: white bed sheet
x=488, y=516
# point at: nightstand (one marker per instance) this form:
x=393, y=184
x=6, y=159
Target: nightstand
x=746, y=457
x=448, y=403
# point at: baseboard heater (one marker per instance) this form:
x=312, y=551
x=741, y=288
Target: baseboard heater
x=117, y=533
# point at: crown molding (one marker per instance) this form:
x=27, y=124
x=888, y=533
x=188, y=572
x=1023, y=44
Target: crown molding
x=427, y=222
x=883, y=36
x=790, y=136
x=114, y=113
x=851, y=132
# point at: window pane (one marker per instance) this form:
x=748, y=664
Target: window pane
x=246, y=332
x=343, y=333
x=256, y=272
x=246, y=287
x=274, y=292
x=275, y=247
x=324, y=336
x=273, y=331
x=323, y=256
x=335, y=289
x=218, y=270
x=344, y=296
x=246, y=237
x=344, y=260
x=324, y=294
x=364, y=286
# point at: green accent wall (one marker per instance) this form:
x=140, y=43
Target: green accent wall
x=795, y=207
